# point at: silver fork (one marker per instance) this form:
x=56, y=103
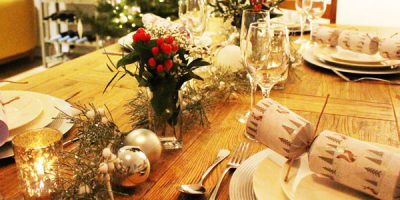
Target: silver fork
x=238, y=156
x=364, y=78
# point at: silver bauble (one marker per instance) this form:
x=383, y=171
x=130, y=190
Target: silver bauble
x=148, y=142
x=137, y=165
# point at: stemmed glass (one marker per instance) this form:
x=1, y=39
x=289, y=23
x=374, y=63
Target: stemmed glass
x=250, y=16
x=196, y=17
x=314, y=10
x=267, y=55
x=302, y=14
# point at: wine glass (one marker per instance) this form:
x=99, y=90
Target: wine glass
x=267, y=55
x=314, y=10
x=250, y=16
x=196, y=17
x=182, y=4
x=302, y=14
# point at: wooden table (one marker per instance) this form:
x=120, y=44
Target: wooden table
x=368, y=111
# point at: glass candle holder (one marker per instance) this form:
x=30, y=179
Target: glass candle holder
x=36, y=156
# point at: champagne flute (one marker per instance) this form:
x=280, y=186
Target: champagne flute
x=267, y=55
x=302, y=14
x=250, y=16
x=314, y=10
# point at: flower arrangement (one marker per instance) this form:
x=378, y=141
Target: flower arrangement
x=234, y=8
x=163, y=66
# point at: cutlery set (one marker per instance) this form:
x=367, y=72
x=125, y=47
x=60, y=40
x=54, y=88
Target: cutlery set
x=239, y=155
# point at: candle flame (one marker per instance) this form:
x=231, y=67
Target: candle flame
x=39, y=166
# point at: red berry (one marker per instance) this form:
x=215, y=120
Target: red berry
x=257, y=7
x=140, y=30
x=168, y=64
x=160, y=41
x=166, y=48
x=160, y=68
x=155, y=51
x=147, y=37
x=253, y=1
x=136, y=37
x=169, y=39
x=152, y=62
x=142, y=36
x=175, y=47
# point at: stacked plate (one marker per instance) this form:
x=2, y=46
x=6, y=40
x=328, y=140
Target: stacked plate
x=291, y=19
x=32, y=110
x=350, y=62
x=262, y=177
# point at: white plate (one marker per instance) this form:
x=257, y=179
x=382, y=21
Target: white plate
x=266, y=178
x=303, y=184
x=291, y=19
x=310, y=58
x=21, y=111
x=6, y=150
x=241, y=184
x=326, y=54
x=45, y=118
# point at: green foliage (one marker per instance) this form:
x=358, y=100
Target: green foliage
x=234, y=9
x=165, y=85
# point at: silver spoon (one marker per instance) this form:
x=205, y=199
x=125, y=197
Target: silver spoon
x=198, y=188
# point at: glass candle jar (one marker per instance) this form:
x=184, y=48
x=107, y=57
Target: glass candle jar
x=36, y=156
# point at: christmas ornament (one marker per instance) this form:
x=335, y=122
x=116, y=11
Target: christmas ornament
x=229, y=57
x=147, y=141
x=134, y=163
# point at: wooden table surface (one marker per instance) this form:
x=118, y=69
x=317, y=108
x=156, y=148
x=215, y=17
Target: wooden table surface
x=368, y=111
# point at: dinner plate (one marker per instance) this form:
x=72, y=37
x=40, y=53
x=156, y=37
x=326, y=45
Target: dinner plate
x=291, y=19
x=266, y=178
x=6, y=150
x=309, y=57
x=330, y=55
x=21, y=111
x=303, y=184
x=241, y=184
x=45, y=118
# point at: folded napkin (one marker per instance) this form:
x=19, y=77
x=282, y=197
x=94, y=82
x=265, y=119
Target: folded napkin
x=280, y=129
x=390, y=48
x=326, y=35
x=356, y=164
x=358, y=42
x=3, y=125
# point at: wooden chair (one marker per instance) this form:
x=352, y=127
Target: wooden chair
x=330, y=12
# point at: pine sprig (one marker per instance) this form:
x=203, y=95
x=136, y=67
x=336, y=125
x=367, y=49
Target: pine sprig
x=79, y=166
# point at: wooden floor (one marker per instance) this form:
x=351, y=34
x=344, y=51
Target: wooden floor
x=368, y=111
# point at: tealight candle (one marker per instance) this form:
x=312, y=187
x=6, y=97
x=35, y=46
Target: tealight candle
x=36, y=156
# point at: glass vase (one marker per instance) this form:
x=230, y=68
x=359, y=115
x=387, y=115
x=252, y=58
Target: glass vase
x=167, y=127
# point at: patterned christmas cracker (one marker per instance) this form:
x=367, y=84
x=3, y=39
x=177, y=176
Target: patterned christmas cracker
x=326, y=35
x=279, y=128
x=356, y=164
x=390, y=48
x=358, y=42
